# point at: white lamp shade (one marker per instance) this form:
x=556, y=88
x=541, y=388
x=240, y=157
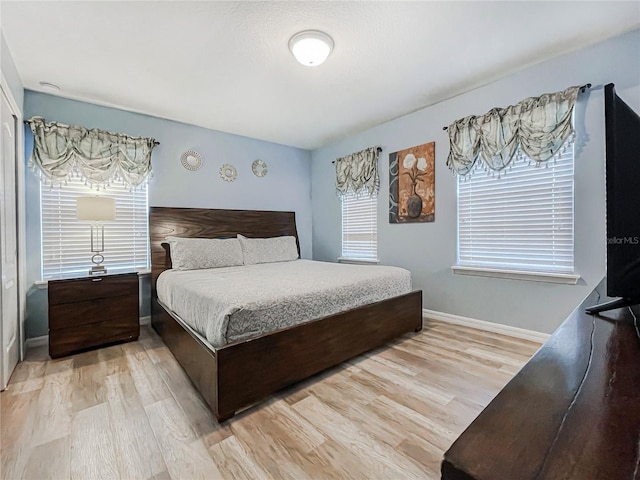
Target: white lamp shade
x=311, y=47
x=96, y=209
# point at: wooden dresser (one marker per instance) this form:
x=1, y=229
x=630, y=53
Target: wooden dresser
x=92, y=311
x=572, y=412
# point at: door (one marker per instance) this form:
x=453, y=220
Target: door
x=8, y=246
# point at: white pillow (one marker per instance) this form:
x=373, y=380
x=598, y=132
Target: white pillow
x=267, y=250
x=198, y=253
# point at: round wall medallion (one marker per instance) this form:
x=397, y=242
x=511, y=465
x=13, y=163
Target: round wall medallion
x=259, y=168
x=191, y=160
x=228, y=172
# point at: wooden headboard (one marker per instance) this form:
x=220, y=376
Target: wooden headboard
x=212, y=223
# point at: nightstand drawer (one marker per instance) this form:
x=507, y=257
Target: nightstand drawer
x=69, y=340
x=66, y=315
x=80, y=289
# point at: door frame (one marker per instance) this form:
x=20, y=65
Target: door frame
x=20, y=211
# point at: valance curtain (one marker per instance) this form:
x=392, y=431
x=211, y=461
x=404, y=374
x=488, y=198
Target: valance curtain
x=98, y=156
x=537, y=127
x=358, y=173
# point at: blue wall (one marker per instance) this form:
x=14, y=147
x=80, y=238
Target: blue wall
x=286, y=186
x=429, y=250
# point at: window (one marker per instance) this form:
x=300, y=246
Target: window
x=66, y=242
x=360, y=227
x=522, y=221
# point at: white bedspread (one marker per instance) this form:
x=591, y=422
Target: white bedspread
x=237, y=303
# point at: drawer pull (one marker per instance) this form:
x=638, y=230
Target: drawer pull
x=96, y=279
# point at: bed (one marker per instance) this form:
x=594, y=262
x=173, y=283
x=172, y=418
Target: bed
x=236, y=375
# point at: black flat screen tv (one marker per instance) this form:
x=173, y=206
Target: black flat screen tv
x=622, y=138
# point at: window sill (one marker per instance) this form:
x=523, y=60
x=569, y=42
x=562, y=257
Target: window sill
x=564, y=278
x=359, y=261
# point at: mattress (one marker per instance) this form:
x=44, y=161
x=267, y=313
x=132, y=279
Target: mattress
x=231, y=304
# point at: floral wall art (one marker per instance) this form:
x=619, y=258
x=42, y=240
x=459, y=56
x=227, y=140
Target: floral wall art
x=412, y=184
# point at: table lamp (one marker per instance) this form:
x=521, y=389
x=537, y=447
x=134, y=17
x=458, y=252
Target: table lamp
x=96, y=210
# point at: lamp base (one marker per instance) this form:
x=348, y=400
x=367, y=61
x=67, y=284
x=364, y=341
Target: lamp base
x=97, y=260
x=98, y=270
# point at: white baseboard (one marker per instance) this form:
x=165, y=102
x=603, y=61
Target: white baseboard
x=487, y=326
x=146, y=320
x=36, y=342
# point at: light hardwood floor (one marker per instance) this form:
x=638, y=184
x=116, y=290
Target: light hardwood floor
x=128, y=411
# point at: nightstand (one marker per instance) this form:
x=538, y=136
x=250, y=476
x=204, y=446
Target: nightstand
x=90, y=312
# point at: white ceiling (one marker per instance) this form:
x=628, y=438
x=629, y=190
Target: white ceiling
x=226, y=65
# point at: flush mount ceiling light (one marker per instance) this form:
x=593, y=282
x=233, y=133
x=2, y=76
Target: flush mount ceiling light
x=311, y=47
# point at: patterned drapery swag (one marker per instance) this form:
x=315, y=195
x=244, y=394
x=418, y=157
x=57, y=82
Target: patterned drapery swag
x=537, y=128
x=358, y=173
x=98, y=156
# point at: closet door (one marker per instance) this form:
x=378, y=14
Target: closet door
x=8, y=245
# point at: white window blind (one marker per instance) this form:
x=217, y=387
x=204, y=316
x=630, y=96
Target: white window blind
x=359, y=226
x=66, y=242
x=520, y=221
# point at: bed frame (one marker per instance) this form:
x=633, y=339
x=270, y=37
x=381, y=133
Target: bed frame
x=242, y=373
